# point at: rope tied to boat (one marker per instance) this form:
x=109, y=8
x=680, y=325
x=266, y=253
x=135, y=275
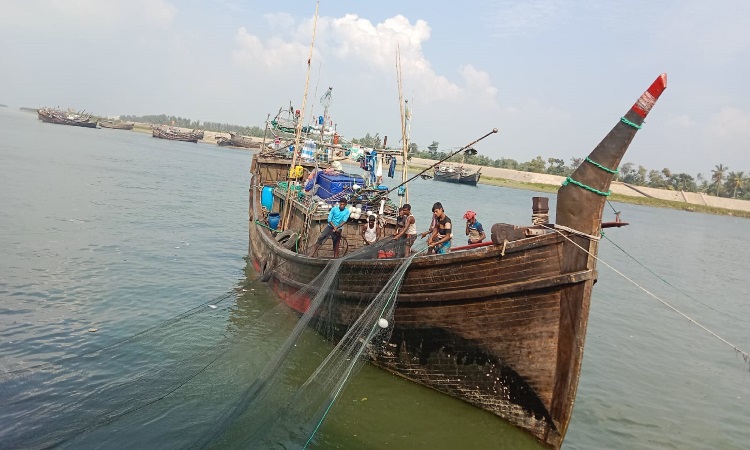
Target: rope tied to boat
x=629, y=123
x=606, y=169
x=745, y=356
x=571, y=231
x=569, y=180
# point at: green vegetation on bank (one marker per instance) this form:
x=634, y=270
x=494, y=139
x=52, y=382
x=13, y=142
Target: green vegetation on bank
x=644, y=201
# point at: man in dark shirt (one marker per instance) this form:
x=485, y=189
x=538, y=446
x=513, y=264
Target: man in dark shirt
x=443, y=231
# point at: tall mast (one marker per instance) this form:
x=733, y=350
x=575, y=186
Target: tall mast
x=300, y=121
x=404, y=112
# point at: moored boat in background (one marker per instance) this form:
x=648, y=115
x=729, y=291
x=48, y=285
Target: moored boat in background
x=236, y=140
x=117, y=125
x=456, y=174
x=76, y=119
x=173, y=134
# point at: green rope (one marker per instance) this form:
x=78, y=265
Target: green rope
x=277, y=126
x=627, y=122
x=588, y=188
x=606, y=169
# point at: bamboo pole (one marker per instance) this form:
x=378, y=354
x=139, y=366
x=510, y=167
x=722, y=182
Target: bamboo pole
x=298, y=131
x=404, y=137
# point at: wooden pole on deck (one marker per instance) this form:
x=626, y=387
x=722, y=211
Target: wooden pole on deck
x=298, y=131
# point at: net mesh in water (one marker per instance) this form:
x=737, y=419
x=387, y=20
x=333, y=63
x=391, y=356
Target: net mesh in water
x=264, y=378
x=288, y=401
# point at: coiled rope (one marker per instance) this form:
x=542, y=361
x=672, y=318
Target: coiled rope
x=745, y=355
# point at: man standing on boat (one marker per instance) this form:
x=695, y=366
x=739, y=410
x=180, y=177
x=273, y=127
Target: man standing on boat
x=442, y=233
x=474, y=229
x=336, y=220
x=408, y=233
x=371, y=231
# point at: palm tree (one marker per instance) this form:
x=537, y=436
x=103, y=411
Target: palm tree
x=736, y=180
x=718, y=176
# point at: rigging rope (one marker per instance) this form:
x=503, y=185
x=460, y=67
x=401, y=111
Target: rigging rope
x=744, y=354
x=670, y=284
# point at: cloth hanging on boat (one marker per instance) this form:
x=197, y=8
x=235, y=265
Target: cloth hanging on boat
x=392, y=168
x=379, y=170
x=370, y=163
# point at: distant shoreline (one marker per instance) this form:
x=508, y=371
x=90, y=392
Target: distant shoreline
x=621, y=192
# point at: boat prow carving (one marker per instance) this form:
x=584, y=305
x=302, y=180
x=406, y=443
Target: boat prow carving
x=581, y=200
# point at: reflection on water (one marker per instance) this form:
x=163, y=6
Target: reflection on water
x=118, y=232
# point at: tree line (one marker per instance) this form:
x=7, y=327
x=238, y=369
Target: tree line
x=176, y=121
x=720, y=181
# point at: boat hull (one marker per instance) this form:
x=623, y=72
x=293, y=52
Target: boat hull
x=117, y=126
x=174, y=136
x=491, y=336
x=52, y=118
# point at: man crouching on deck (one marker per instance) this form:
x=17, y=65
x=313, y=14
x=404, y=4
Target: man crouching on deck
x=336, y=220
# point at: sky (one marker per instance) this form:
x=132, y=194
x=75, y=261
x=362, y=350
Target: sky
x=554, y=76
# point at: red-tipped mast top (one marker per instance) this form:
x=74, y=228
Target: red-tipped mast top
x=644, y=104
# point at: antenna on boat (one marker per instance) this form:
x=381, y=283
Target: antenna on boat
x=300, y=121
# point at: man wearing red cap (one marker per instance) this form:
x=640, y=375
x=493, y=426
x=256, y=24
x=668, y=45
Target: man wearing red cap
x=474, y=229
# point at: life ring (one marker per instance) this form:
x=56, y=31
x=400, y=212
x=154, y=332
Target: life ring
x=287, y=239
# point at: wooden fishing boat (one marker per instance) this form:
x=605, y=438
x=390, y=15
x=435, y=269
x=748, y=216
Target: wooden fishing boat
x=447, y=173
x=116, y=125
x=456, y=174
x=162, y=132
x=236, y=140
x=75, y=119
x=506, y=336
x=469, y=177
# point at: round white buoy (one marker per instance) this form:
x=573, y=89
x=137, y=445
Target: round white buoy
x=383, y=323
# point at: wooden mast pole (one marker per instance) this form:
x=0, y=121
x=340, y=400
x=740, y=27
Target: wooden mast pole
x=404, y=136
x=298, y=131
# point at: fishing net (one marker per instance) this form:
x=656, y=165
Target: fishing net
x=61, y=402
x=262, y=375
x=288, y=401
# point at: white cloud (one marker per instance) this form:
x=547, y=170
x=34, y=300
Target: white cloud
x=274, y=54
x=352, y=41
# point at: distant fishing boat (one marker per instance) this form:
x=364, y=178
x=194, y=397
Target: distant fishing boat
x=76, y=119
x=456, y=174
x=236, y=140
x=117, y=125
x=500, y=325
x=173, y=134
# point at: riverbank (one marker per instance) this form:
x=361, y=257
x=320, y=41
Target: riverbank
x=621, y=192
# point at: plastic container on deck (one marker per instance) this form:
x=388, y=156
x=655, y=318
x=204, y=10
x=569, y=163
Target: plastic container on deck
x=335, y=183
x=266, y=198
x=273, y=220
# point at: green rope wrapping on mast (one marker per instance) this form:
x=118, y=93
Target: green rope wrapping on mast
x=588, y=188
x=606, y=169
x=627, y=122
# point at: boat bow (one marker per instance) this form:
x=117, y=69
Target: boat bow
x=580, y=200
